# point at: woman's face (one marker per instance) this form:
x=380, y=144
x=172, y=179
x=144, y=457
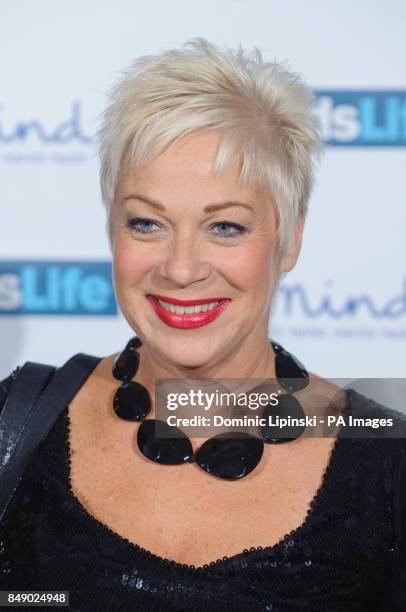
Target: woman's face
x=179, y=232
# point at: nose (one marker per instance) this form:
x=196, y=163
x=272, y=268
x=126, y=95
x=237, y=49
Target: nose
x=183, y=262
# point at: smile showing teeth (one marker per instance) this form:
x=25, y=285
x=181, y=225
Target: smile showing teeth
x=188, y=314
x=188, y=309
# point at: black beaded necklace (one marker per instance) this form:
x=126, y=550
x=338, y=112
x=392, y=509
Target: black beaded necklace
x=230, y=455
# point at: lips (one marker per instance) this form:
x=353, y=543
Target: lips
x=191, y=320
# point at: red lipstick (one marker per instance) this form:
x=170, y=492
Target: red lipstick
x=187, y=321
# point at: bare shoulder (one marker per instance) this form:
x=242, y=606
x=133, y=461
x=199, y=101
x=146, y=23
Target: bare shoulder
x=101, y=377
x=93, y=402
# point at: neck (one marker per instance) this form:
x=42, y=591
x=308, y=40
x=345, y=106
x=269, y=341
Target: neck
x=252, y=359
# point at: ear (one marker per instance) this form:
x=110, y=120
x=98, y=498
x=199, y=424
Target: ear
x=289, y=260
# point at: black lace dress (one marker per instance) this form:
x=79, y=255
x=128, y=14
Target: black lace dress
x=349, y=553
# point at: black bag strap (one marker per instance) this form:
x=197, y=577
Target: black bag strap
x=36, y=398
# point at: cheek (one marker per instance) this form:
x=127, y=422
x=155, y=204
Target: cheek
x=129, y=263
x=254, y=266
x=121, y=260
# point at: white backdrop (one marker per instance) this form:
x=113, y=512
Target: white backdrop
x=342, y=310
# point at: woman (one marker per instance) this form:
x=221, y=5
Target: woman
x=207, y=161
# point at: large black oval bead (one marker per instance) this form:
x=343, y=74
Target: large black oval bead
x=126, y=364
x=230, y=455
x=291, y=374
x=288, y=406
x=132, y=401
x=134, y=343
x=166, y=450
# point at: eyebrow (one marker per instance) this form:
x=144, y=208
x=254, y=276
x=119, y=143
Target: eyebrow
x=207, y=209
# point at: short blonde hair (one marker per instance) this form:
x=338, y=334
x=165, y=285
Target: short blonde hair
x=261, y=108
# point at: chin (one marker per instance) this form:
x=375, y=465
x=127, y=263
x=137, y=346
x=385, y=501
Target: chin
x=187, y=354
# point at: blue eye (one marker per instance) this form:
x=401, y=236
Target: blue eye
x=141, y=226
x=238, y=229
x=226, y=228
